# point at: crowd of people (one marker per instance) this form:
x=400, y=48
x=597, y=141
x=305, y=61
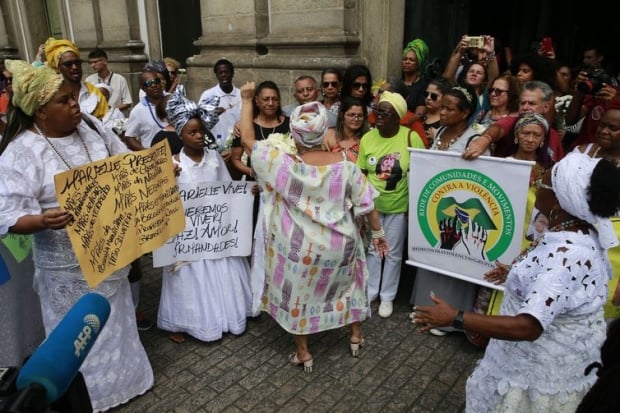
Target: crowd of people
x=330, y=176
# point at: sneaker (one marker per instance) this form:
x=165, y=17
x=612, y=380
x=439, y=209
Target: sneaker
x=385, y=309
x=142, y=322
x=437, y=332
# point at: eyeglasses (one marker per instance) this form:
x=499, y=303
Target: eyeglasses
x=497, y=91
x=151, y=82
x=69, y=64
x=356, y=116
x=433, y=96
x=539, y=184
x=333, y=83
x=385, y=114
x=172, y=72
x=358, y=85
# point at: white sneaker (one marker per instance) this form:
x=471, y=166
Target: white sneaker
x=437, y=332
x=385, y=309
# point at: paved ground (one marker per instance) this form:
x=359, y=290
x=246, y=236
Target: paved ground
x=399, y=369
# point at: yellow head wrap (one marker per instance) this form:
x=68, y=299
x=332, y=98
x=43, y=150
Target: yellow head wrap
x=33, y=86
x=55, y=48
x=397, y=101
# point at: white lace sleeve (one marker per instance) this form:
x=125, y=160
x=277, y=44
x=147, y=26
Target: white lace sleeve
x=561, y=278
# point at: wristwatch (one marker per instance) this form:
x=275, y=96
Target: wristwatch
x=458, y=321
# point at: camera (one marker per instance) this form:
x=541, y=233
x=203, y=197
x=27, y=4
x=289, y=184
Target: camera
x=474, y=41
x=594, y=82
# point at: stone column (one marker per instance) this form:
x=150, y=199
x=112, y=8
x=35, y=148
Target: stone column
x=282, y=39
x=22, y=28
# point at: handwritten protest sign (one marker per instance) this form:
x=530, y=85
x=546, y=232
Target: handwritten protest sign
x=122, y=207
x=218, y=223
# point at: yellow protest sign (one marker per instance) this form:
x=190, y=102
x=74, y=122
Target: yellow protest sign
x=122, y=207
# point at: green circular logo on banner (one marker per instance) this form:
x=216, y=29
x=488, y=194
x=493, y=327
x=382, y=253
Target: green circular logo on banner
x=462, y=206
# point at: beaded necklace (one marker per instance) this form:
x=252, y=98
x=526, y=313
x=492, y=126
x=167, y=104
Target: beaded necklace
x=40, y=132
x=564, y=225
x=441, y=145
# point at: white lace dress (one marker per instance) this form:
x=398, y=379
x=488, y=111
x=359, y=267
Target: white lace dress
x=117, y=368
x=563, y=284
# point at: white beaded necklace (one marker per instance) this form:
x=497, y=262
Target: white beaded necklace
x=40, y=132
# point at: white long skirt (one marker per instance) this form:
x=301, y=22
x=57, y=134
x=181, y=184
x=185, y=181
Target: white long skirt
x=206, y=298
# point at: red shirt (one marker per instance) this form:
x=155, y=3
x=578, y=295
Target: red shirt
x=596, y=108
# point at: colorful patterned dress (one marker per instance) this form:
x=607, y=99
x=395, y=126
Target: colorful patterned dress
x=315, y=268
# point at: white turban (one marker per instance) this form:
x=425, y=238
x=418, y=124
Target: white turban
x=570, y=179
x=308, y=124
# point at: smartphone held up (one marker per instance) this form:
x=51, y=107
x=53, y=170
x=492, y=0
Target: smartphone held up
x=475, y=41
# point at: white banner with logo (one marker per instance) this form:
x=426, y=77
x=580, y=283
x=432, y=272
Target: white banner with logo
x=465, y=215
x=218, y=223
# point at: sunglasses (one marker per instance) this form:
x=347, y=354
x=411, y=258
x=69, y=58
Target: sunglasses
x=433, y=96
x=69, y=64
x=358, y=85
x=385, y=114
x=333, y=83
x=497, y=91
x=151, y=82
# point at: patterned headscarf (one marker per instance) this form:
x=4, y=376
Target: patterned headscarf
x=529, y=119
x=54, y=49
x=570, y=179
x=180, y=110
x=33, y=86
x=308, y=124
x=420, y=49
x=155, y=66
x=396, y=100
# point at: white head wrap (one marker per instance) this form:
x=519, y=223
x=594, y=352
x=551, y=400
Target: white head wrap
x=570, y=179
x=308, y=124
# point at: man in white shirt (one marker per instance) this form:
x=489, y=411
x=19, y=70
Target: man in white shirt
x=230, y=99
x=143, y=123
x=121, y=97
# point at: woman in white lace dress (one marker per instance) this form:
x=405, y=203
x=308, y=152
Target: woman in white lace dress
x=45, y=135
x=551, y=325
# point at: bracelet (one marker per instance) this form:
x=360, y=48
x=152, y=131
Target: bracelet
x=377, y=234
x=489, y=137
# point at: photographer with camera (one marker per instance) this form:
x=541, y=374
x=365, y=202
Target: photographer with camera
x=595, y=89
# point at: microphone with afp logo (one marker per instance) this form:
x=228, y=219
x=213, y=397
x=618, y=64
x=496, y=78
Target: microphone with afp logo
x=57, y=360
